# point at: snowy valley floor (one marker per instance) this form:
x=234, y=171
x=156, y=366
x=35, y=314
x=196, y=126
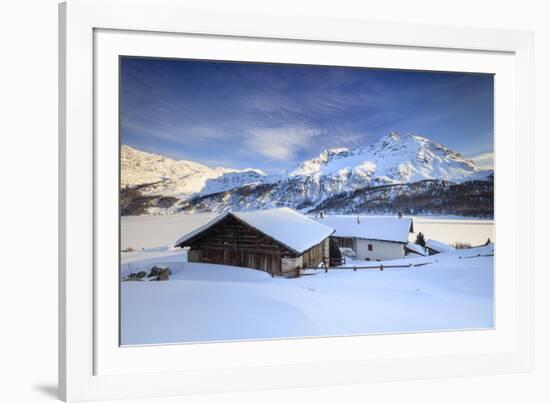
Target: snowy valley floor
x=204, y=302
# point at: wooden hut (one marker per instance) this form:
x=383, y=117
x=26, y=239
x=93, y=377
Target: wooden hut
x=276, y=241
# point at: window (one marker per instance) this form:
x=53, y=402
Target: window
x=344, y=242
x=370, y=247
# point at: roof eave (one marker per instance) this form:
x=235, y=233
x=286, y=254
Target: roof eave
x=369, y=239
x=219, y=219
x=199, y=231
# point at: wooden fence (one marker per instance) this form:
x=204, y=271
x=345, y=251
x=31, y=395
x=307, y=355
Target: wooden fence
x=376, y=267
x=333, y=261
x=380, y=266
x=337, y=264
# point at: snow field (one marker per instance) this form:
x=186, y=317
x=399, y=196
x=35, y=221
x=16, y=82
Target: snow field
x=204, y=302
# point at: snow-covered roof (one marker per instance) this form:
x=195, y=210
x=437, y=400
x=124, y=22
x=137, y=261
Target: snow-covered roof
x=286, y=226
x=438, y=246
x=392, y=229
x=419, y=249
x=201, y=222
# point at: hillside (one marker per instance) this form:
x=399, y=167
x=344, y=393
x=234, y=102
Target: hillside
x=407, y=173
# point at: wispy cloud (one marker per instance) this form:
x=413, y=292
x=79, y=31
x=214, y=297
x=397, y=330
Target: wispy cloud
x=282, y=143
x=272, y=116
x=485, y=160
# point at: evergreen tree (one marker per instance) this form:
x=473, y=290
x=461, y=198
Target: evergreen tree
x=420, y=240
x=488, y=241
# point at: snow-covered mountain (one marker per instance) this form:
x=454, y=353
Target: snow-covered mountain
x=391, y=160
x=159, y=175
x=394, y=160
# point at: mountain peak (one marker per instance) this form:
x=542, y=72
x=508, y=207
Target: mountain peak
x=393, y=160
x=393, y=136
x=314, y=165
x=157, y=174
x=330, y=153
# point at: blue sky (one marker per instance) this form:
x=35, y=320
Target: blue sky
x=274, y=116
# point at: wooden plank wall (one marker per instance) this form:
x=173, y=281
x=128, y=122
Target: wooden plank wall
x=231, y=242
x=314, y=256
x=268, y=262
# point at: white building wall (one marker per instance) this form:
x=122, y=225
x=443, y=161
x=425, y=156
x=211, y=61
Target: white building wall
x=381, y=250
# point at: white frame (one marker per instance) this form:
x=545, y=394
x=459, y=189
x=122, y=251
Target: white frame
x=111, y=359
x=78, y=376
